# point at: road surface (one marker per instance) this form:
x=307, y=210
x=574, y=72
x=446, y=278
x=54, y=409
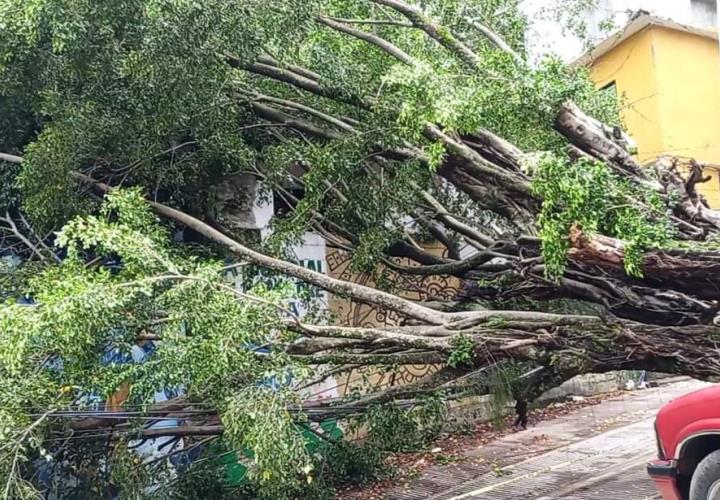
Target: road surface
x=597, y=453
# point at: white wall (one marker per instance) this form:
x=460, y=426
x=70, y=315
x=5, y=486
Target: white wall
x=310, y=253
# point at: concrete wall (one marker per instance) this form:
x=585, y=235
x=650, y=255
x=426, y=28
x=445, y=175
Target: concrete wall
x=470, y=410
x=352, y=313
x=478, y=409
x=590, y=384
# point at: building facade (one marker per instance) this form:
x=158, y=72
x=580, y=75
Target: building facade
x=666, y=76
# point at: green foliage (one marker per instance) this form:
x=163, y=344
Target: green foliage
x=125, y=84
x=369, y=214
x=257, y=419
x=505, y=385
x=517, y=101
x=140, y=93
x=350, y=463
x=463, y=351
x=587, y=194
x=9, y=195
x=82, y=310
x=15, y=277
x=392, y=428
x=204, y=478
x=520, y=108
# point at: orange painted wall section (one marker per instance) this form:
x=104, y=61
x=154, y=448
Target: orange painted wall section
x=669, y=85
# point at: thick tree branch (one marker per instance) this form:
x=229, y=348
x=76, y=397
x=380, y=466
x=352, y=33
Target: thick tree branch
x=382, y=22
x=513, y=182
x=438, y=232
x=438, y=33
x=496, y=39
x=459, y=268
x=183, y=430
x=274, y=115
x=590, y=136
x=306, y=109
x=371, y=335
x=370, y=38
x=295, y=79
x=401, y=358
x=495, y=149
x=271, y=61
x=442, y=215
x=10, y=158
x=357, y=292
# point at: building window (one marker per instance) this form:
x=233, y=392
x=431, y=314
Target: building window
x=284, y=202
x=610, y=89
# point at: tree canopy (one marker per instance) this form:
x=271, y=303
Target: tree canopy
x=382, y=125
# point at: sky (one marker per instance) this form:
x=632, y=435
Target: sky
x=547, y=35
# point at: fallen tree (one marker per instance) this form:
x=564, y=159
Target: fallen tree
x=381, y=125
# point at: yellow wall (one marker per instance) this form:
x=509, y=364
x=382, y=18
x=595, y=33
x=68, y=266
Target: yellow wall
x=631, y=65
x=669, y=83
x=688, y=76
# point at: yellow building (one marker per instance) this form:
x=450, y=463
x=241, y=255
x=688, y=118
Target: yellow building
x=667, y=77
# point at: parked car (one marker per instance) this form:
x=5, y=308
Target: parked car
x=688, y=441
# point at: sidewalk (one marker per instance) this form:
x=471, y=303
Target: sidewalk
x=561, y=458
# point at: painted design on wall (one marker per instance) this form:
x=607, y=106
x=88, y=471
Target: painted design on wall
x=351, y=313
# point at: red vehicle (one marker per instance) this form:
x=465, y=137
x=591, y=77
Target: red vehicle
x=688, y=440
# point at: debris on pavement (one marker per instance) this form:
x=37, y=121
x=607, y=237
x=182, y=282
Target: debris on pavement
x=451, y=449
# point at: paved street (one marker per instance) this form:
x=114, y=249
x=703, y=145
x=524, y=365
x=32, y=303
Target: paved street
x=598, y=452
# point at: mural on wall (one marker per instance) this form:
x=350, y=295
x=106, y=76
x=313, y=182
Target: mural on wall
x=351, y=313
